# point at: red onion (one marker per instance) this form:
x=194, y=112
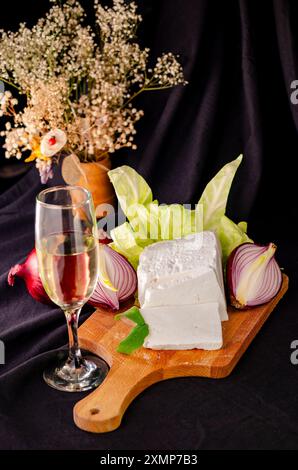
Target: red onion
x=253, y=275
x=29, y=272
x=117, y=280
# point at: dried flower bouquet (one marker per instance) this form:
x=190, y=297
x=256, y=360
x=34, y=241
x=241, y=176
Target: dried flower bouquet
x=78, y=83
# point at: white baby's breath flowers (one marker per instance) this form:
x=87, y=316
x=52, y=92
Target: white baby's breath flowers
x=5, y=102
x=78, y=79
x=16, y=140
x=167, y=71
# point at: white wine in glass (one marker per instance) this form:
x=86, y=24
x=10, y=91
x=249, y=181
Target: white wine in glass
x=67, y=250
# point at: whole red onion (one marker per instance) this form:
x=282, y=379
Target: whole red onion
x=29, y=272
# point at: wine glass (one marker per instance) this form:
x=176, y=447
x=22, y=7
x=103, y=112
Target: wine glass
x=67, y=250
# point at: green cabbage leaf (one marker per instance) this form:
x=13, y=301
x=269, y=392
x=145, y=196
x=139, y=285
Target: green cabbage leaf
x=149, y=221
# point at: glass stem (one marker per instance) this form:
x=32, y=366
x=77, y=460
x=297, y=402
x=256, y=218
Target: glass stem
x=75, y=355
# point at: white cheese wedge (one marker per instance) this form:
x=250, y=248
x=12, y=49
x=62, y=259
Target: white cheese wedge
x=183, y=327
x=183, y=271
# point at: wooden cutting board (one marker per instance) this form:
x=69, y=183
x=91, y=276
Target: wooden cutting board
x=103, y=409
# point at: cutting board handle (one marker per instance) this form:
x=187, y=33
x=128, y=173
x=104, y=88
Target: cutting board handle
x=102, y=410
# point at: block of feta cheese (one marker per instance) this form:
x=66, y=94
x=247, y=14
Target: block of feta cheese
x=183, y=327
x=183, y=271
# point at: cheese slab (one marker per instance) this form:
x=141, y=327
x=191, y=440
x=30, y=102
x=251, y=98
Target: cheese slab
x=193, y=288
x=182, y=271
x=188, y=327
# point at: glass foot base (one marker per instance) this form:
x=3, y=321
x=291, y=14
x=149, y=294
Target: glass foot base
x=67, y=377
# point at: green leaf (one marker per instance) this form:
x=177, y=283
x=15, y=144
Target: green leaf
x=243, y=226
x=175, y=221
x=136, y=337
x=130, y=188
x=139, y=217
x=215, y=196
x=230, y=235
x=124, y=241
x=132, y=314
x=134, y=340
x=150, y=222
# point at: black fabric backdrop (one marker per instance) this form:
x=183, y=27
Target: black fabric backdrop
x=240, y=58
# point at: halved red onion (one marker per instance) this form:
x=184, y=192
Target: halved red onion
x=117, y=281
x=253, y=275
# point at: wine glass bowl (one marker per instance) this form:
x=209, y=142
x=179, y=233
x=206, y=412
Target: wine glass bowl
x=67, y=251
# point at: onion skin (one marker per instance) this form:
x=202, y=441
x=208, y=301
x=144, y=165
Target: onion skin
x=271, y=279
x=29, y=272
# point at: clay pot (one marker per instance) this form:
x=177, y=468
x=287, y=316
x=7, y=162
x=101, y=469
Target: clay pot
x=95, y=178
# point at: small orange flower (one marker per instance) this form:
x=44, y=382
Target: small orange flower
x=36, y=152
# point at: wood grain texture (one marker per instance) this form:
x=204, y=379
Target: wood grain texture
x=103, y=409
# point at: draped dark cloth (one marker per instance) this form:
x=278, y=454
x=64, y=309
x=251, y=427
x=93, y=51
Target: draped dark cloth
x=240, y=58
